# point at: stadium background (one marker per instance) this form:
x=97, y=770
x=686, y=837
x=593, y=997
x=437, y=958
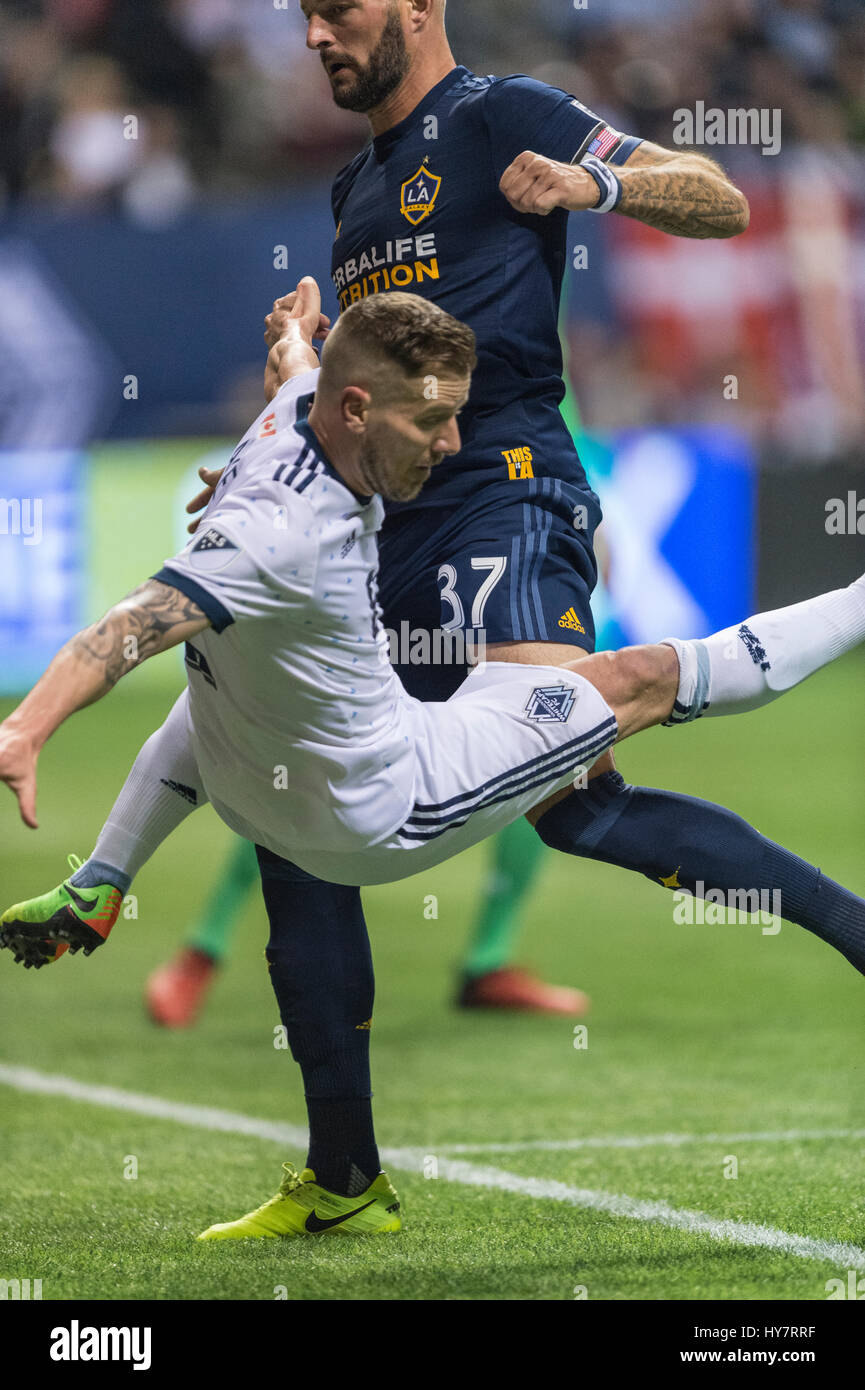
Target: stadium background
x=153, y=259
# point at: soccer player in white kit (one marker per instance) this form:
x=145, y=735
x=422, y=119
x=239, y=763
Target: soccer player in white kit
x=295, y=726
x=303, y=736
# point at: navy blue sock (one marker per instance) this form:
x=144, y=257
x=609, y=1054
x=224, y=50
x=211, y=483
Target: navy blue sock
x=681, y=842
x=322, y=974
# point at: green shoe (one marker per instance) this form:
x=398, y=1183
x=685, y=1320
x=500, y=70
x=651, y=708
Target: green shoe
x=301, y=1208
x=38, y=932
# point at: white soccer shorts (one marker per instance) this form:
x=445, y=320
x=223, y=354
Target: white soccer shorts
x=509, y=737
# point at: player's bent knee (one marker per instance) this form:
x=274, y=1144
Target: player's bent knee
x=638, y=671
x=643, y=678
x=622, y=677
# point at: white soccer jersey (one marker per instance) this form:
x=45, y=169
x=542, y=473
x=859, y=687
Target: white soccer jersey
x=304, y=738
x=296, y=714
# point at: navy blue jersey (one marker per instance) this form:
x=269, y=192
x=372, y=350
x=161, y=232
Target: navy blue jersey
x=419, y=209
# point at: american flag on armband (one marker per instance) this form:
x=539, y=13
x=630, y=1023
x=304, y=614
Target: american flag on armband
x=604, y=142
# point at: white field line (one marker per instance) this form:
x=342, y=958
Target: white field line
x=742, y=1233
x=746, y=1233
x=201, y=1116
x=647, y=1141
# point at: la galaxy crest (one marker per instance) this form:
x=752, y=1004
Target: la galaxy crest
x=419, y=193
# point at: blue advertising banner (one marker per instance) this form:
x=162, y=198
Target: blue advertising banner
x=43, y=545
x=679, y=517
x=676, y=550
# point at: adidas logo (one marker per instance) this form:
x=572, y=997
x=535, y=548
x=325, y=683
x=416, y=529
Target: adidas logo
x=571, y=620
x=188, y=793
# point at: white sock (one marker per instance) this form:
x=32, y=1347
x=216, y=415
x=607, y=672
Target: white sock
x=163, y=788
x=754, y=662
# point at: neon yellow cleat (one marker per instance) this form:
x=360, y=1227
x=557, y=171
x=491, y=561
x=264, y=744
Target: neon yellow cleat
x=302, y=1208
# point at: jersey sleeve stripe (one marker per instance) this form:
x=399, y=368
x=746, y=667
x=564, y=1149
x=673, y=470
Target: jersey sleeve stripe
x=625, y=150
x=286, y=471
x=607, y=144
x=311, y=475
x=219, y=616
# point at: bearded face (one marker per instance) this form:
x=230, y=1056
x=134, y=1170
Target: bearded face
x=361, y=85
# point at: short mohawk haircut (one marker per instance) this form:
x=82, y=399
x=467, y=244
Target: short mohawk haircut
x=412, y=333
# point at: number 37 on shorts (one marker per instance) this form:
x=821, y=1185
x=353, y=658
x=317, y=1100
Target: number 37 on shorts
x=491, y=570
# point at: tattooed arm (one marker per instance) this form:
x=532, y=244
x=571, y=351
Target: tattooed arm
x=681, y=192
x=151, y=619
x=676, y=191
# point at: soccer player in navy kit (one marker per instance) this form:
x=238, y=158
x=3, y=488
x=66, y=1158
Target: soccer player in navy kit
x=463, y=197
x=507, y=534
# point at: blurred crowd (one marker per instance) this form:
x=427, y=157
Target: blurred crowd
x=147, y=108
x=225, y=96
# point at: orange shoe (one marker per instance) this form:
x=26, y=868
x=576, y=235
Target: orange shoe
x=512, y=988
x=176, y=992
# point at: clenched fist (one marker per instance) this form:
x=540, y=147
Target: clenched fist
x=536, y=184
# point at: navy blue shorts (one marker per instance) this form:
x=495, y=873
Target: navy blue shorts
x=515, y=564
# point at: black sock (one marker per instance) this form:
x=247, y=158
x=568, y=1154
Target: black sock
x=342, y=1148
x=698, y=846
x=322, y=975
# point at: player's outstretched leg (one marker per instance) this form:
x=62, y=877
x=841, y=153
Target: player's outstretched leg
x=751, y=663
x=160, y=792
x=39, y=931
x=680, y=841
x=302, y=1207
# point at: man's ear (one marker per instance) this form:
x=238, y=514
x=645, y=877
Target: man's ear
x=354, y=408
x=423, y=12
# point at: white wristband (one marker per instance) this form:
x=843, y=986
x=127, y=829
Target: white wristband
x=608, y=182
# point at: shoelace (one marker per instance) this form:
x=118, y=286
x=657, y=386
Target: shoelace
x=74, y=862
x=290, y=1182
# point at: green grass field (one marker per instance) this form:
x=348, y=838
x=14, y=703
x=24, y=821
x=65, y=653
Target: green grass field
x=699, y=1031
